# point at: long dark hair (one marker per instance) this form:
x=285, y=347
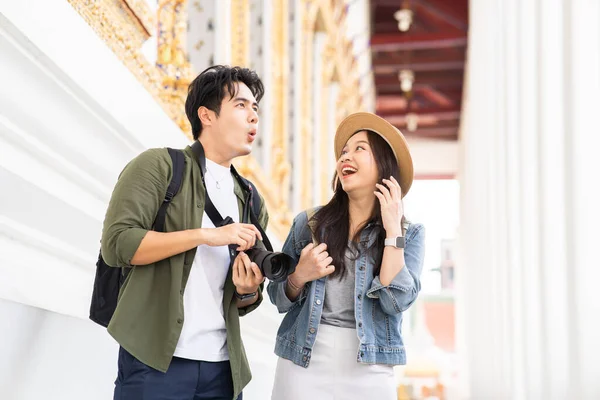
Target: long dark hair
x=332, y=222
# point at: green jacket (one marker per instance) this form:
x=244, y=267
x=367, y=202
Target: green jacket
x=149, y=315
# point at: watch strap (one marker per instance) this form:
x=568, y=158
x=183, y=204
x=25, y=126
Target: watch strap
x=397, y=242
x=245, y=296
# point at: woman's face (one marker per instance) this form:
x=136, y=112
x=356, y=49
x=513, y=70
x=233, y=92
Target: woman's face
x=356, y=167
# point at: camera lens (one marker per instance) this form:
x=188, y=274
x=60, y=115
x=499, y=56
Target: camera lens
x=275, y=266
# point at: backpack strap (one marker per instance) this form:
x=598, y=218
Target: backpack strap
x=178, y=161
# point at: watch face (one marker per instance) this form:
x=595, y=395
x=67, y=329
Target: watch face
x=400, y=242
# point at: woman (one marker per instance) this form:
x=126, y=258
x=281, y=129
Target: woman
x=358, y=270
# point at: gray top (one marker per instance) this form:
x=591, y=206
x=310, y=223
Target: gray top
x=338, y=305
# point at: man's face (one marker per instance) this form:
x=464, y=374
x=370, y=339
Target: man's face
x=236, y=127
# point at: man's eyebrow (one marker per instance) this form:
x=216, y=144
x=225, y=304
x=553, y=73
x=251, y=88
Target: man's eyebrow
x=245, y=100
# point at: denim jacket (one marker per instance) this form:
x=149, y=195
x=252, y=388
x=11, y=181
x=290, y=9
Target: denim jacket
x=378, y=309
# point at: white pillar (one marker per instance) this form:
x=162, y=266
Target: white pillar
x=331, y=162
x=582, y=21
x=261, y=60
x=222, y=32
x=527, y=303
x=267, y=76
x=529, y=199
x=317, y=112
x=295, y=104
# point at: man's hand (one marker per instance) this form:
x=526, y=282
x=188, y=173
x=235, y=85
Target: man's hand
x=244, y=235
x=246, y=274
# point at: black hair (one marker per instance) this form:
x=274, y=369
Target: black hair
x=332, y=221
x=209, y=88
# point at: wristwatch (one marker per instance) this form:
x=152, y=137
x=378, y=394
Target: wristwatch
x=244, y=296
x=397, y=242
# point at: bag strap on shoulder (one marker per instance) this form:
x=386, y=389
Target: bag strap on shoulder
x=178, y=160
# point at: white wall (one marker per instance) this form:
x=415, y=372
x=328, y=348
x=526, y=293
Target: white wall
x=68, y=125
x=527, y=298
x=71, y=116
x=434, y=157
x=53, y=356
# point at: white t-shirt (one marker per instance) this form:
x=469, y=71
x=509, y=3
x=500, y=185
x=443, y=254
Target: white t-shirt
x=204, y=336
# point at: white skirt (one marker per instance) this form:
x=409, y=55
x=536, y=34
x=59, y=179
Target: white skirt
x=333, y=372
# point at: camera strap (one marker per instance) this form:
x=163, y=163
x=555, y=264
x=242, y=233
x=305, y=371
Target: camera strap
x=212, y=212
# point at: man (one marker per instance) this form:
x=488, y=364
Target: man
x=177, y=320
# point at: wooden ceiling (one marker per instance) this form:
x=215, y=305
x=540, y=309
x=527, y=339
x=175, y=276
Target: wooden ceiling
x=434, y=49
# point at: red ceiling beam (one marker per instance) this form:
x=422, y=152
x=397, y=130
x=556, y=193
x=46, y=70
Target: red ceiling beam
x=395, y=102
x=446, y=126
x=425, y=17
x=414, y=60
x=438, y=112
x=452, y=92
x=453, y=12
x=437, y=133
x=432, y=66
x=420, y=56
x=450, y=124
x=452, y=79
x=385, y=102
x=445, y=121
x=407, y=41
x=444, y=14
x=435, y=96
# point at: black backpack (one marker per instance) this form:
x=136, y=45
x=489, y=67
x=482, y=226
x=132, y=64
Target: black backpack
x=108, y=280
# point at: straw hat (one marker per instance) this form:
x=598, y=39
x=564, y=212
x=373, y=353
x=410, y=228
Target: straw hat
x=367, y=121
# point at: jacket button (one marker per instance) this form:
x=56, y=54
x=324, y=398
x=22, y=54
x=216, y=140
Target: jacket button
x=199, y=205
x=181, y=292
x=362, y=354
x=360, y=296
x=360, y=324
x=312, y=330
x=179, y=321
x=318, y=301
x=304, y=358
x=361, y=268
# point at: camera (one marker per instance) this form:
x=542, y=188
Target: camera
x=275, y=266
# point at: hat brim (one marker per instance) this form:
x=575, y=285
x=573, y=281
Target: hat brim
x=363, y=121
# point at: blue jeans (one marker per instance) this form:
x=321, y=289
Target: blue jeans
x=184, y=380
